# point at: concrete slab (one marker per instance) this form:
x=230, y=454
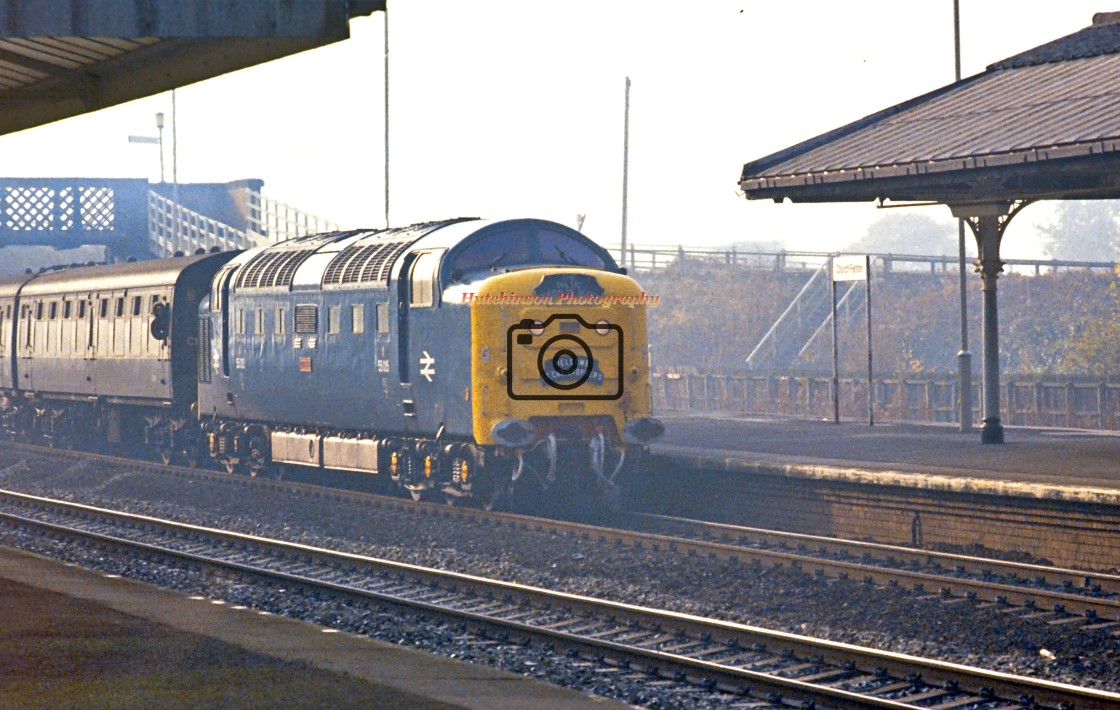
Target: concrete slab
x=1048, y=463
x=336, y=669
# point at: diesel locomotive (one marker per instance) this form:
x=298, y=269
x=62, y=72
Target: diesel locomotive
x=456, y=359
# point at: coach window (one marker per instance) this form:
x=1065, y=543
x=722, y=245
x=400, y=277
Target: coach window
x=239, y=328
x=280, y=327
x=38, y=310
x=358, y=318
x=102, y=308
x=52, y=310
x=334, y=320
x=120, y=307
x=137, y=304
x=258, y=322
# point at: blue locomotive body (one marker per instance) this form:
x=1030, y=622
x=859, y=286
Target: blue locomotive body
x=363, y=351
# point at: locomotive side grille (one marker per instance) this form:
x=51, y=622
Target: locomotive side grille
x=251, y=274
x=364, y=264
x=307, y=319
x=377, y=268
x=204, y=349
x=272, y=268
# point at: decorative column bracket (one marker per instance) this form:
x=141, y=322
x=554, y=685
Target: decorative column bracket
x=988, y=222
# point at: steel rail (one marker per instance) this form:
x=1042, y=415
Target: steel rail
x=1107, y=583
x=594, y=627
x=1096, y=611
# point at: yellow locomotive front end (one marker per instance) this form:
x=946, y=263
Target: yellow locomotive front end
x=560, y=376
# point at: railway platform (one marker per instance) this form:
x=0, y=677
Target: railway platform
x=70, y=637
x=1060, y=464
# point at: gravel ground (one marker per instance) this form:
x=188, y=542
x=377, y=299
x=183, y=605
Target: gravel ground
x=782, y=599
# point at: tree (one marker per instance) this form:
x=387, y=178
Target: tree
x=1083, y=230
x=908, y=233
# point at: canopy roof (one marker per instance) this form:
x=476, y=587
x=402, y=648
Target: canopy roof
x=62, y=58
x=1044, y=124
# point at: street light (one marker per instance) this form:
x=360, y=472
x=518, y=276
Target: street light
x=153, y=140
x=159, y=125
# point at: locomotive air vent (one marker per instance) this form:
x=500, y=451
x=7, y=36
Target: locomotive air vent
x=307, y=319
x=364, y=264
x=371, y=258
x=204, y=372
x=272, y=268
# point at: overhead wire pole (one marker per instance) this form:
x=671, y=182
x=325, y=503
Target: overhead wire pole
x=964, y=357
x=386, y=13
x=625, y=168
x=175, y=172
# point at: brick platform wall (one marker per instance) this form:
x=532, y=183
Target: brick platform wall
x=1066, y=534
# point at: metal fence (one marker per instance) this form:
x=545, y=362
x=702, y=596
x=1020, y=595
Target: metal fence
x=647, y=259
x=1027, y=401
x=174, y=229
x=277, y=221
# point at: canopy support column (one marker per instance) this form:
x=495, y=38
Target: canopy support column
x=988, y=222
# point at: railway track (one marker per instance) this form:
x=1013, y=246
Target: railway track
x=757, y=664
x=1075, y=599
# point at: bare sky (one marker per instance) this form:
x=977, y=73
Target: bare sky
x=512, y=108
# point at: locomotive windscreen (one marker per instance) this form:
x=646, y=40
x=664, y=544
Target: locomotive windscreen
x=510, y=249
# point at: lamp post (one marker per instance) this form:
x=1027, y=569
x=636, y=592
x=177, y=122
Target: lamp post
x=964, y=357
x=159, y=126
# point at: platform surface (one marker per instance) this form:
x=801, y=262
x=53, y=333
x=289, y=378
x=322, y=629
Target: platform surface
x=1060, y=463
x=70, y=637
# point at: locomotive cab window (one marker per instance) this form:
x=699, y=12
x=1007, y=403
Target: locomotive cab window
x=521, y=248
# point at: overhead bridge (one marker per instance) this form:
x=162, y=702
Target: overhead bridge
x=134, y=218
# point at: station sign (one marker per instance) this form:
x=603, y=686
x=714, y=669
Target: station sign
x=850, y=268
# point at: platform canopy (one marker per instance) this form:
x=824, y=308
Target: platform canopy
x=62, y=58
x=1044, y=124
